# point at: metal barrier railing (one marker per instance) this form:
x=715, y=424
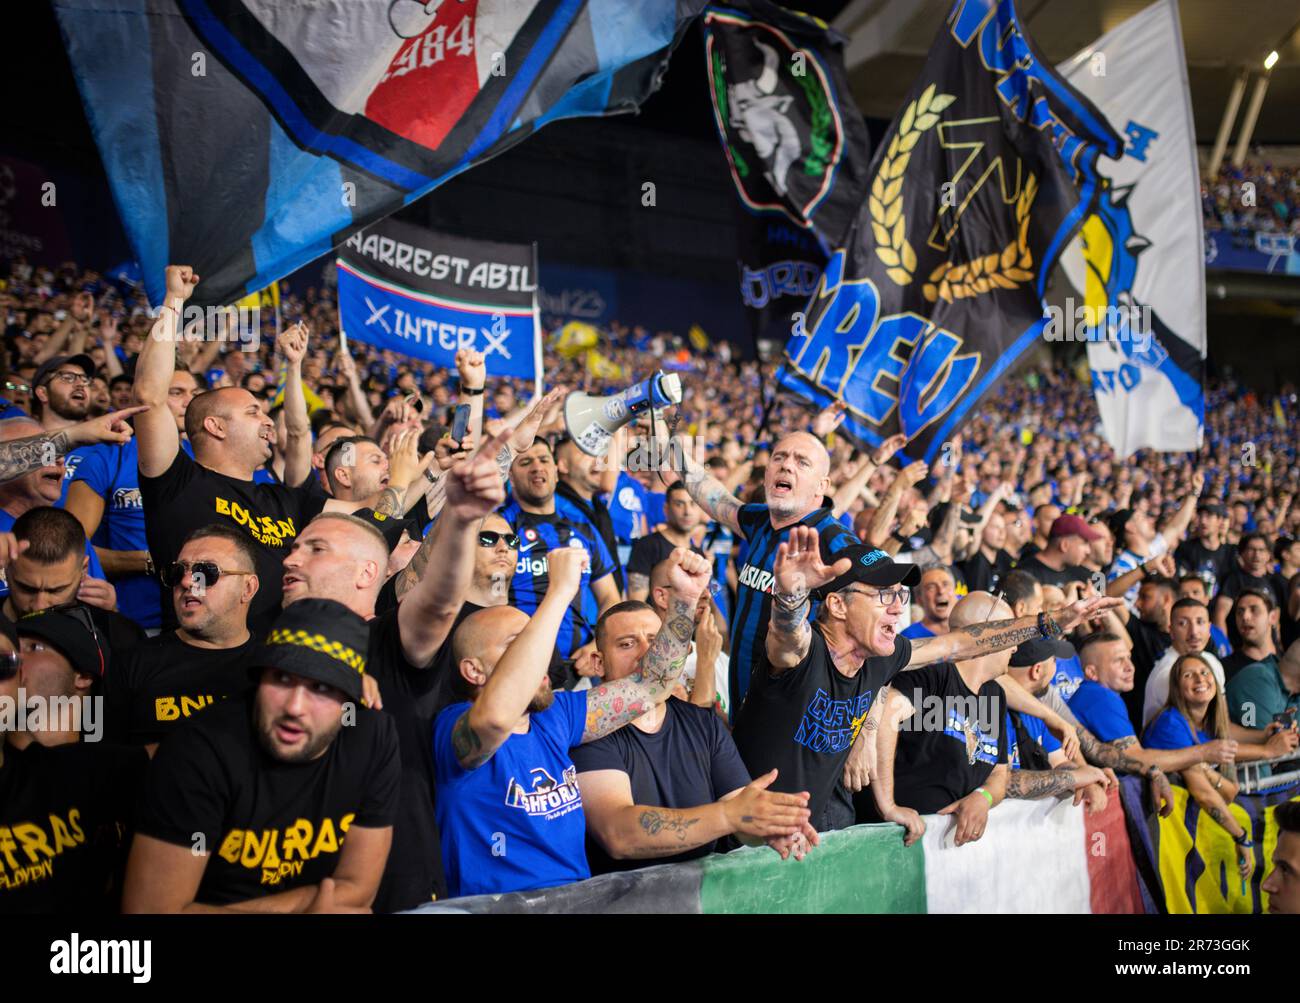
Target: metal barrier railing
x=1251, y=780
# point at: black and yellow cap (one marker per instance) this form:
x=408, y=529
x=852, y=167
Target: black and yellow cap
x=318, y=639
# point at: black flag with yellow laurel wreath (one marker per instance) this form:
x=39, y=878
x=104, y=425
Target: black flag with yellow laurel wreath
x=985, y=174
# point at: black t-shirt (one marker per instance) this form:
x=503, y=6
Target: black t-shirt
x=952, y=741
x=804, y=721
x=62, y=811
x=690, y=761
x=412, y=697
x=269, y=826
x=1050, y=576
x=983, y=575
x=188, y=496
x=648, y=551
x=1149, y=645
x=160, y=683
x=1237, y=581
x=1194, y=558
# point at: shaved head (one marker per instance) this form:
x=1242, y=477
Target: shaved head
x=978, y=607
x=481, y=633
x=808, y=441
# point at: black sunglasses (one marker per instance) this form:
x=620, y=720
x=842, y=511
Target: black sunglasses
x=9, y=664
x=200, y=573
x=489, y=538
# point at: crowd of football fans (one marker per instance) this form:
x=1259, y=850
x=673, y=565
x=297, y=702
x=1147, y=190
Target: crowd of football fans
x=341, y=654
x=1259, y=197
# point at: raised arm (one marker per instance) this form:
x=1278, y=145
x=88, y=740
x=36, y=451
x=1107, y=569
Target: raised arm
x=998, y=635
x=472, y=372
x=614, y=704
x=347, y=367
x=909, y=476
x=22, y=456
x=484, y=728
x=798, y=569
x=429, y=606
x=156, y=428
x=292, y=344
x=1177, y=528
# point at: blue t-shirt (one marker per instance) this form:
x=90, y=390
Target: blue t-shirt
x=917, y=630
x=70, y=464
x=1219, y=642
x=515, y=823
x=94, y=569
x=625, y=505
x=8, y=409
x=1069, y=674
x=538, y=535
x=1036, y=729
x=1101, y=711
x=719, y=542
x=654, y=502
x=1171, y=731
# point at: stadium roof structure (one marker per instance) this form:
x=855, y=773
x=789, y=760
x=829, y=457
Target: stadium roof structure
x=890, y=38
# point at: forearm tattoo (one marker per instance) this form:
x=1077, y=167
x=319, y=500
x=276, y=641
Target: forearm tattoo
x=1104, y=754
x=504, y=458
x=389, y=503
x=710, y=494
x=998, y=635
x=1029, y=785
x=667, y=822
x=410, y=575
x=22, y=456
x=467, y=745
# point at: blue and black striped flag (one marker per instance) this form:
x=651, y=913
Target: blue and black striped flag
x=249, y=137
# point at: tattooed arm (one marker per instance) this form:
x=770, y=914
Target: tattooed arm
x=22, y=456
x=1063, y=780
x=797, y=569
x=638, y=586
x=507, y=692
x=389, y=503
x=709, y=493
x=985, y=638
x=1200, y=785
x=614, y=704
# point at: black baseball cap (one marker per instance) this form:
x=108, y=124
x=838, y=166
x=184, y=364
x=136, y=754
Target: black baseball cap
x=869, y=567
x=1040, y=649
x=1213, y=508
x=1118, y=522
x=70, y=629
x=318, y=639
x=83, y=362
x=391, y=527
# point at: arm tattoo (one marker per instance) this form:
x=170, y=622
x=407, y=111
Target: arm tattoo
x=711, y=495
x=390, y=502
x=614, y=704
x=670, y=822
x=637, y=582
x=467, y=745
x=1029, y=785
x=971, y=642
x=1218, y=815
x=504, y=459
x=22, y=456
x=1123, y=743
x=410, y=575
x=1104, y=754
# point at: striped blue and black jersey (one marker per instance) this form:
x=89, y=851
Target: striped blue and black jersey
x=755, y=580
x=538, y=535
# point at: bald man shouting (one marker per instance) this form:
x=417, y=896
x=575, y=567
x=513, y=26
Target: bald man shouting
x=795, y=486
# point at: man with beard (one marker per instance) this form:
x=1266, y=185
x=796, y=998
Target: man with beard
x=1060, y=562
x=1207, y=555
x=937, y=594
x=61, y=397
x=681, y=518
x=158, y=685
x=1252, y=571
x=509, y=805
x=820, y=677
x=795, y=482
x=544, y=526
x=282, y=801
x=231, y=438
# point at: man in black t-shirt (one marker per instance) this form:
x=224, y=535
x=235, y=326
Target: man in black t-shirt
x=60, y=809
x=1251, y=572
x=1061, y=562
x=231, y=438
x=1206, y=555
x=64, y=660
x=156, y=687
x=282, y=801
x=1149, y=628
x=681, y=518
x=666, y=788
x=809, y=704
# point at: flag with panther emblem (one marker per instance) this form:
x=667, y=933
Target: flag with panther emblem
x=249, y=137
x=985, y=174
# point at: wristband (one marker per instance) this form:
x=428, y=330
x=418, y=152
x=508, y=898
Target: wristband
x=148, y=564
x=981, y=790
x=790, y=601
x=1047, y=627
x=1244, y=841
x=469, y=392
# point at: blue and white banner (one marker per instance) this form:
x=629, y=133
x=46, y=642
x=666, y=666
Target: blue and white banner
x=1252, y=251
x=1138, y=257
x=427, y=295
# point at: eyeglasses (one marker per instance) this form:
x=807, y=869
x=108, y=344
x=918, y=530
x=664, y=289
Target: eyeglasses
x=71, y=379
x=489, y=538
x=199, y=573
x=9, y=665
x=17, y=388
x=887, y=596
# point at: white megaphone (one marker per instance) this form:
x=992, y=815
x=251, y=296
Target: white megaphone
x=592, y=421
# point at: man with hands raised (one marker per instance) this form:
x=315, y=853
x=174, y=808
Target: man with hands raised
x=509, y=804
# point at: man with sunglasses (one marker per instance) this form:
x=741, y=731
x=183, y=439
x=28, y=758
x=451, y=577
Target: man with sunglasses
x=818, y=682
x=161, y=683
x=61, y=809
